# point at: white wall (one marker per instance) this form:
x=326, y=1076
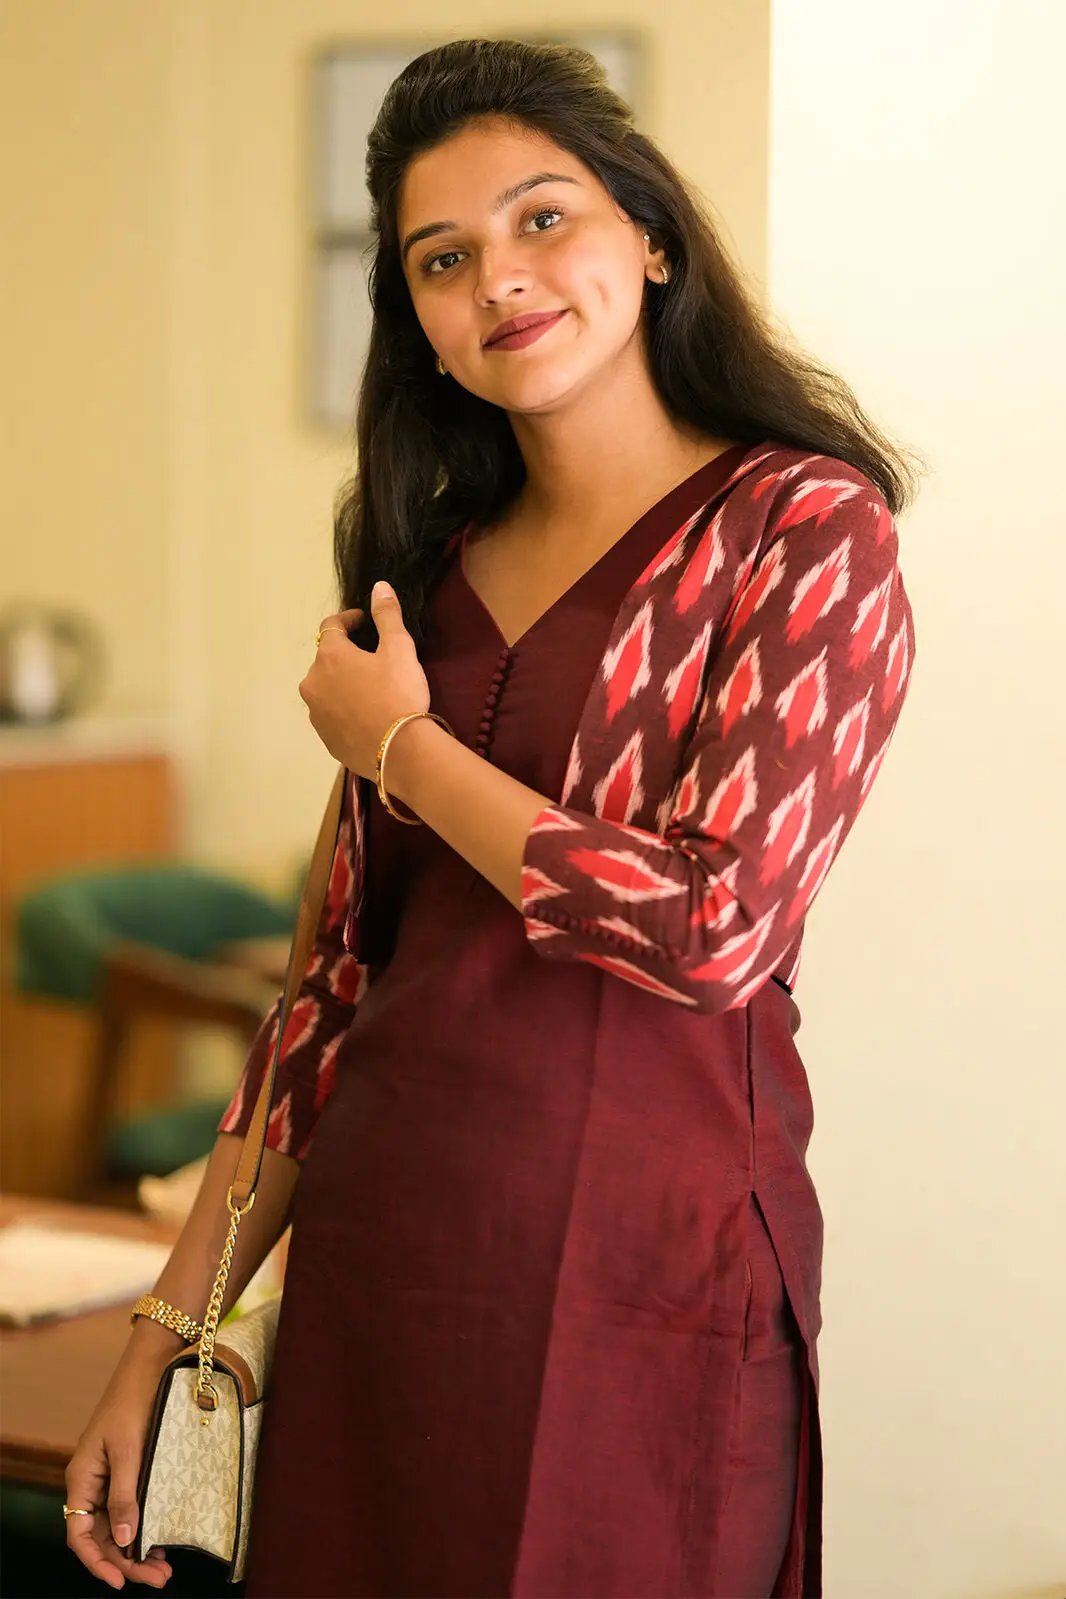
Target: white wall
x=916, y=242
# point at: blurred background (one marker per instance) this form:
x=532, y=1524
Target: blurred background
x=182, y=328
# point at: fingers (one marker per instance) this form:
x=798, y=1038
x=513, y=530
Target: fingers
x=385, y=609
x=86, y=1479
x=342, y=618
x=155, y=1572
x=90, y=1539
x=385, y=606
x=122, y=1496
x=339, y=622
x=82, y=1540
x=116, y=1535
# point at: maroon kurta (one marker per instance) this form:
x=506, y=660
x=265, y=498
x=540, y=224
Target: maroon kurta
x=536, y=1337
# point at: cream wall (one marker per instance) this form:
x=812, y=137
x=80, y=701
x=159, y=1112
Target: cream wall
x=883, y=170
x=915, y=241
x=86, y=313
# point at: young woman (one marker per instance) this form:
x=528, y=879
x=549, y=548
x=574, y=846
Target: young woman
x=551, y=1306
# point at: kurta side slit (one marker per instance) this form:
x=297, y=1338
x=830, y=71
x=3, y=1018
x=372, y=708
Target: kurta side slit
x=546, y=1325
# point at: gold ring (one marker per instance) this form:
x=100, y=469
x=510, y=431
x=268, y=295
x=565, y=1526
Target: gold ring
x=332, y=628
x=68, y=1512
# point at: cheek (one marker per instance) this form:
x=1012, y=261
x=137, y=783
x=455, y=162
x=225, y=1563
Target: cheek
x=424, y=312
x=610, y=292
x=584, y=265
x=599, y=276
x=441, y=321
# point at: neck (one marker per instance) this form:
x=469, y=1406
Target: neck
x=611, y=448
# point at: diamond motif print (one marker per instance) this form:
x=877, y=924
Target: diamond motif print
x=743, y=707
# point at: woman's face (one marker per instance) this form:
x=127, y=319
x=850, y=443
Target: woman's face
x=562, y=245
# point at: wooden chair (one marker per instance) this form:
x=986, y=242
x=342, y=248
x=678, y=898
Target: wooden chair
x=138, y=943
x=141, y=982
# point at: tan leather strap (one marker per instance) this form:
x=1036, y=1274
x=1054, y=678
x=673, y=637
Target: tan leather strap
x=307, y=919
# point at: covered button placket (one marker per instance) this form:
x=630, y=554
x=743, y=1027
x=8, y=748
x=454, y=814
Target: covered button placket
x=487, y=726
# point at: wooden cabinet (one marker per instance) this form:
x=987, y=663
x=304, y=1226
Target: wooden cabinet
x=90, y=793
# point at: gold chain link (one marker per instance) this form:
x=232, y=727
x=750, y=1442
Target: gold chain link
x=206, y=1394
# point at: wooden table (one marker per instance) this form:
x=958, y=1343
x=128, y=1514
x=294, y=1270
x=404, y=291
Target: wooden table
x=54, y=1373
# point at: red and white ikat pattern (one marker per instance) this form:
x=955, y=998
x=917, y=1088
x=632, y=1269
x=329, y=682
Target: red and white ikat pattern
x=753, y=679
x=334, y=983
x=786, y=643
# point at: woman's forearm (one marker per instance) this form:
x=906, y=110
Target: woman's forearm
x=483, y=812
x=189, y=1274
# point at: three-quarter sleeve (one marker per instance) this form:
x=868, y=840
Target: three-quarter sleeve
x=333, y=983
x=810, y=673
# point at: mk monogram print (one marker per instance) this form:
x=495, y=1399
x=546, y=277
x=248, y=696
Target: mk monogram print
x=190, y=1498
x=742, y=709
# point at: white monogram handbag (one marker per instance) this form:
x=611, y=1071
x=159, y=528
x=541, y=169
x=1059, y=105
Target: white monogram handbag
x=197, y=1474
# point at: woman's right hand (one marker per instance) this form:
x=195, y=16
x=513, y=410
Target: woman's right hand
x=103, y=1470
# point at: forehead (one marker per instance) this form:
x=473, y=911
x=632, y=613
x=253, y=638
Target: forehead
x=464, y=174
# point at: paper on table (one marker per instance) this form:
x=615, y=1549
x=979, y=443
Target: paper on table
x=48, y=1271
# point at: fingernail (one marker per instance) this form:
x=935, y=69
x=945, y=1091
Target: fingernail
x=381, y=587
x=123, y=1534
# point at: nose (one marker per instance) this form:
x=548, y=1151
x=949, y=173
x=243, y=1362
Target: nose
x=500, y=274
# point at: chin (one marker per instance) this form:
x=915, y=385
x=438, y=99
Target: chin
x=534, y=389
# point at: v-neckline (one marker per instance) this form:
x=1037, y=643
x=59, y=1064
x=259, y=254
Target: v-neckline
x=706, y=480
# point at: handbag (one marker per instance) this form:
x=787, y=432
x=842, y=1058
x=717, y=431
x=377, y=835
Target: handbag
x=197, y=1475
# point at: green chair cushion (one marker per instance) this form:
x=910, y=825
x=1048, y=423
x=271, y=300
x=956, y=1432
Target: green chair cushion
x=64, y=925
x=158, y=1142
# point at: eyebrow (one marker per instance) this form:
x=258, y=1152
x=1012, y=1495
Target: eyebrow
x=505, y=197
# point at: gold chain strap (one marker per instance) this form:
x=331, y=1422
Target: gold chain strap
x=206, y=1394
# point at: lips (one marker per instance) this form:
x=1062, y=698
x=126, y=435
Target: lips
x=521, y=324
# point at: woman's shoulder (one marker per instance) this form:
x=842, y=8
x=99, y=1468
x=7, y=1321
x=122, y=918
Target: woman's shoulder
x=794, y=471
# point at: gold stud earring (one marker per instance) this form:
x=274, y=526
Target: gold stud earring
x=440, y=366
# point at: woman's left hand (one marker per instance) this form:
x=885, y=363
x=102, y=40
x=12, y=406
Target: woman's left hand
x=354, y=695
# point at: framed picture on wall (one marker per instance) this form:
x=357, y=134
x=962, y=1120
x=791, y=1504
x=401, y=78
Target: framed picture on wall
x=348, y=85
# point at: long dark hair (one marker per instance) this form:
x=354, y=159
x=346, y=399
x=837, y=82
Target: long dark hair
x=431, y=455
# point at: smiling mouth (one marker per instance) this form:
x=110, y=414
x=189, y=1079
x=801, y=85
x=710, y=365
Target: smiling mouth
x=522, y=336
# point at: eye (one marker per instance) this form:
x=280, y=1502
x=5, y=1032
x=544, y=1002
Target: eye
x=548, y=211
x=429, y=264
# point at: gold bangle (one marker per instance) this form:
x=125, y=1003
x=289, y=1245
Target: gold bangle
x=379, y=774
x=167, y=1315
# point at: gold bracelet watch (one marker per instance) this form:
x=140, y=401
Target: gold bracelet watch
x=168, y=1316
